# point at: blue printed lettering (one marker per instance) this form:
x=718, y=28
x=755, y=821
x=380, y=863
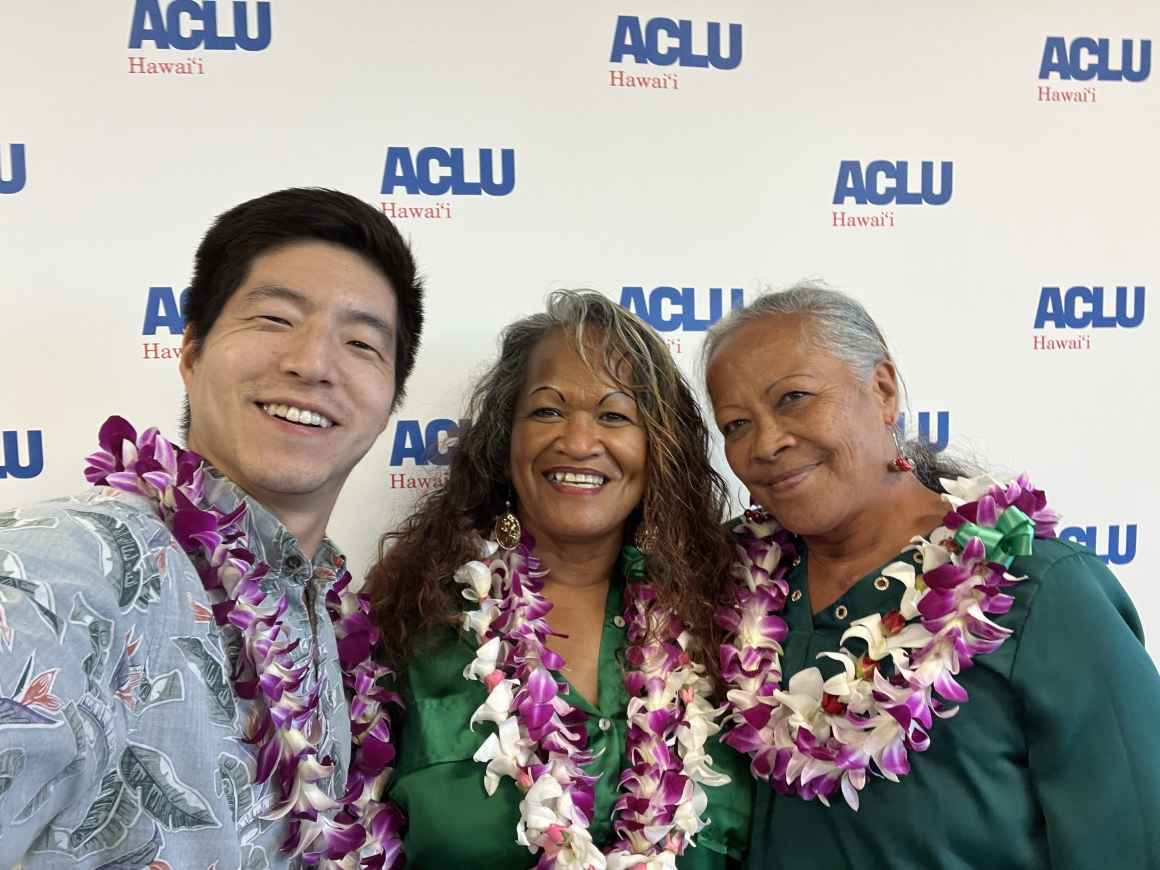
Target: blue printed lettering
x=664, y=42
x=10, y=462
x=187, y=25
x=434, y=171
x=1081, y=307
x=883, y=182
x=1087, y=58
x=162, y=310
x=17, y=172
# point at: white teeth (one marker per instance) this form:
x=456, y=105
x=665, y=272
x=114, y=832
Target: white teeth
x=574, y=478
x=297, y=415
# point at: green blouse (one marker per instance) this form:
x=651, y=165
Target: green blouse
x=451, y=820
x=1050, y=764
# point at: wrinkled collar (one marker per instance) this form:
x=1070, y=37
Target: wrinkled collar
x=268, y=539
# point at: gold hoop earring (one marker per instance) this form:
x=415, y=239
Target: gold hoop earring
x=508, y=530
x=645, y=538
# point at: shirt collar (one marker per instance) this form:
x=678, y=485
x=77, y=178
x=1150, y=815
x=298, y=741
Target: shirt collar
x=267, y=538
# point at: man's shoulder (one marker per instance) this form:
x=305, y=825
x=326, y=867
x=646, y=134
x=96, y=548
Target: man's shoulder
x=80, y=540
x=73, y=515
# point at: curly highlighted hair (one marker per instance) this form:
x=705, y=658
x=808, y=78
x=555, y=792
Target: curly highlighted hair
x=411, y=587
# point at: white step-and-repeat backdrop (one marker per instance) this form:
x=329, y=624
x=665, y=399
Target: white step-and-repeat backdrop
x=984, y=177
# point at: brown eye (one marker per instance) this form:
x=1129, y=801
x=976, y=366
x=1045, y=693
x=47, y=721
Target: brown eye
x=732, y=427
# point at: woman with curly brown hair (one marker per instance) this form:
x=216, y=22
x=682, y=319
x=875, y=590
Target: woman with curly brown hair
x=513, y=597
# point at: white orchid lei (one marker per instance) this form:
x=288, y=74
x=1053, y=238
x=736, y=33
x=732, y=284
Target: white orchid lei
x=814, y=736
x=540, y=739
x=286, y=729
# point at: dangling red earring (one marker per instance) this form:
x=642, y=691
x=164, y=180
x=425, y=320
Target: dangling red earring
x=900, y=463
x=756, y=513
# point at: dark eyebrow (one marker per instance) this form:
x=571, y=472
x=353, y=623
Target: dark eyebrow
x=299, y=299
x=553, y=389
x=773, y=384
x=616, y=393
x=365, y=318
x=277, y=291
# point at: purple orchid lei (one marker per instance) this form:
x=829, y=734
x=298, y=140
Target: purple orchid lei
x=541, y=740
x=814, y=736
x=285, y=726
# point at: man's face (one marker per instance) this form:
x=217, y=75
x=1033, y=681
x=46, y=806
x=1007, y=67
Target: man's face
x=311, y=329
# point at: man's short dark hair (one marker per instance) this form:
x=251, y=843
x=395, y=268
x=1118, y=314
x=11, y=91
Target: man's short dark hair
x=301, y=214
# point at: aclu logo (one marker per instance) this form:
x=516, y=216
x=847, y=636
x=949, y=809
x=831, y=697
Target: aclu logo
x=1085, y=59
x=12, y=179
x=1120, y=541
x=937, y=438
x=882, y=182
x=1084, y=307
x=888, y=183
x=663, y=42
x=21, y=462
x=424, y=447
x=189, y=25
x=688, y=309
x=163, y=309
x=436, y=171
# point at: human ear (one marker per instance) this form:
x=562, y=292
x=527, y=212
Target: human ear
x=189, y=348
x=884, y=387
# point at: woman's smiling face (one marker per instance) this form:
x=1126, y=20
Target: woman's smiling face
x=579, y=450
x=807, y=436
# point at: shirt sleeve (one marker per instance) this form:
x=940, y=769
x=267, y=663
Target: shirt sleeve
x=59, y=640
x=1092, y=703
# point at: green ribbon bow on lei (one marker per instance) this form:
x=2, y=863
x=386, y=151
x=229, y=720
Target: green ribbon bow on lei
x=1012, y=536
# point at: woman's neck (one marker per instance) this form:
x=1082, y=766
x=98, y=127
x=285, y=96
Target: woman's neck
x=881, y=528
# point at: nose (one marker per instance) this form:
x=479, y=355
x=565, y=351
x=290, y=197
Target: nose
x=770, y=438
x=580, y=437
x=309, y=354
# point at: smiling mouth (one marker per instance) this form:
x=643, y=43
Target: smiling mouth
x=789, y=480
x=576, y=479
x=297, y=415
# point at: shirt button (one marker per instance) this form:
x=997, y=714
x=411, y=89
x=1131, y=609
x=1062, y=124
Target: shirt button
x=881, y=584
x=604, y=724
x=618, y=621
x=840, y=611
x=796, y=595
x=293, y=562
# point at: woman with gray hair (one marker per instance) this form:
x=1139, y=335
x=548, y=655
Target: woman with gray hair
x=880, y=592
x=549, y=612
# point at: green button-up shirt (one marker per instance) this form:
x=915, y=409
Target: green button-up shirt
x=452, y=821
x=1052, y=762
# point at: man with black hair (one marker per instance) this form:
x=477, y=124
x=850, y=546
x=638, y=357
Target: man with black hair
x=177, y=644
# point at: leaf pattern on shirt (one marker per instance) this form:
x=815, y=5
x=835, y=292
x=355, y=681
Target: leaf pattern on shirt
x=163, y=795
x=224, y=707
x=233, y=784
x=142, y=856
x=11, y=766
x=100, y=634
x=121, y=554
x=255, y=859
x=17, y=710
x=45, y=791
x=95, y=663
x=14, y=580
x=108, y=820
x=92, y=720
x=11, y=520
x=126, y=676
x=161, y=689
